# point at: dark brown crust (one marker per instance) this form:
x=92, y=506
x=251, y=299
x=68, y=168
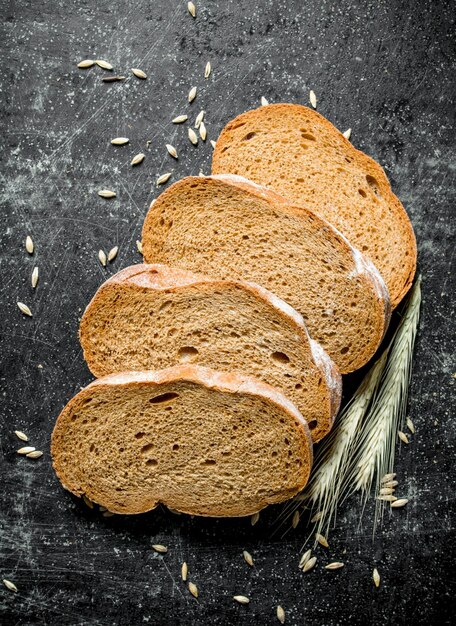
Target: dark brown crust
x=370, y=274
x=220, y=381
x=365, y=162
x=164, y=277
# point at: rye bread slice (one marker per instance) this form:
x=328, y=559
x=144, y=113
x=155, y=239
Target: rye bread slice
x=199, y=441
x=149, y=317
x=297, y=152
x=228, y=227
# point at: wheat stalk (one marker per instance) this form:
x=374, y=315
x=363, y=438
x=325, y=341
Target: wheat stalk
x=362, y=442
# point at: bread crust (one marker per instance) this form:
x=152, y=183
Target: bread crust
x=219, y=381
x=364, y=162
x=172, y=279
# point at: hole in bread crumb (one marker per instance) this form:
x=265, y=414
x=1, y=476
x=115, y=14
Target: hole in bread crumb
x=362, y=193
x=248, y=136
x=274, y=453
x=308, y=136
x=312, y=424
x=151, y=462
x=164, y=397
x=280, y=357
x=209, y=462
x=344, y=350
x=140, y=435
x=146, y=448
x=298, y=386
x=176, y=446
x=287, y=442
x=373, y=184
x=187, y=354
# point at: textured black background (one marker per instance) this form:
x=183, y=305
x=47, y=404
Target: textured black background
x=384, y=68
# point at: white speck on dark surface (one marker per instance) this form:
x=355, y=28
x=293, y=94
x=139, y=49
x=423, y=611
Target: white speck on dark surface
x=384, y=69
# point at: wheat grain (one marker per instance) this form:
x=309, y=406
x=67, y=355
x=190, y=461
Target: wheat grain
x=139, y=158
x=199, y=119
x=21, y=435
x=184, y=571
x=241, y=599
x=106, y=193
x=399, y=503
x=305, y=557
x=139, y=246
x=35, y=454
x=112, y=79
x=347, y=133
x=192, y=136
x=159, y=548
x=113, y=253
x=317, y=517
x=102, y=257
x=9, y=585
x=35, y=277
x=387, y=498
x=321, y=540
x=139, y=73
x=103, y=64
x=192, y=94
x=410, y=425
x=295, y=519
x=207, y=70
x=203, y=131
x=87, y=501
x=386, y=491
x=280, y=614
x=29, y=244
x=193, y=589
x=387, y=477
x=392, y=483
x=180, y=119
x=191, y=9
x=213, y=143
x=254, y=518
x=248, y=558
x=119, y=141
x=402, y=436
x=264, y=102
x=83, y=65
x=334, y=565
x=313, y=99
x=161, y=180
x=171, y=150
x=25, y=309
x=376, y=577
x=25, y=450
x=310, y=564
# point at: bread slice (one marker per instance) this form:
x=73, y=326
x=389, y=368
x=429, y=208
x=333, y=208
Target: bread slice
x=199, y=441
x=228, y=227
x=297, y=152
x=155, y=316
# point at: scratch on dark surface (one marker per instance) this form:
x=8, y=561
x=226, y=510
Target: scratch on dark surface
x=383, y=69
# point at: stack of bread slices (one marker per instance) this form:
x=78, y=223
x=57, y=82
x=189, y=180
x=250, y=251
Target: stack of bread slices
x=219, y=360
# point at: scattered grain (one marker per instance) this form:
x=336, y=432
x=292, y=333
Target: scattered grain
x=108, y=514
x=203, y=131
x=139, y=246
x=139, y=158
x=192, y=136
x=392, y=483
x=102, y=257
x=254, y=518
x=191, y=9
x=139, y=73
x=103, y=64
x=248, y=558
x=347, y=133
x=20, y=435
x=112, y=79
x=106, y=193
x=295, y=519
x=305, y=557
x=264, y=102
x=24, y=308
x=388, y=477
x=310, y=564
x=152, y=203
x=161, y=180
x=376, y=577
x=113, y=253
x=35, y=277
x=26, y=450
x=199, y=119
x=410, y=425
x=184, y=571
x=280, y=614
x=386, y=491
x=172, y=150
x=34, y=455
x=402, y=436
x=192, y=94
x=159, y=548
x=213, y=143
x=241, y=599
x=389, y=498
x=119, y=141
x=322, y=540
x=83, y=65
x=193, y=589
x=180, y=119
x=87, y=501
x=316, y=517
x=207, y=70
x=313, y=99
x=334, y=565
x=399, y=503
x=9, y=585
x=29, y=244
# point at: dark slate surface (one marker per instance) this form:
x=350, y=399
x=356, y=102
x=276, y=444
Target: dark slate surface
x=384, y=68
